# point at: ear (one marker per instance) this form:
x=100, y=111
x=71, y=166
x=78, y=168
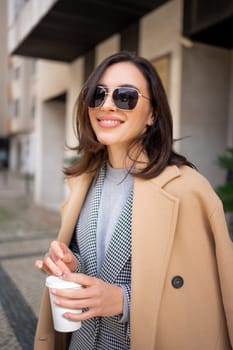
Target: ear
x=150, y=120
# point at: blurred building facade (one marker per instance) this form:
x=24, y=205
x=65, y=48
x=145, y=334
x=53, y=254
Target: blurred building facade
x=189, y=42
x=22, y=113
x=3, y=87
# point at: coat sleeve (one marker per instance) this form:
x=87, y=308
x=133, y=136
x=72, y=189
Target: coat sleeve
x=46, y=338
x=224, y=255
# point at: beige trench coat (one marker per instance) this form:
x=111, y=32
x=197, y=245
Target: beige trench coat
x=179, y=230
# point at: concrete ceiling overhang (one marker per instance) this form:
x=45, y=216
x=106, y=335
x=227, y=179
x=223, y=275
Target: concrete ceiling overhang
x=219, y=34
x=209, y=22
x=72, y=27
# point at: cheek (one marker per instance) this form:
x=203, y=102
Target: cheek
x=143, y=119
x=138, y=127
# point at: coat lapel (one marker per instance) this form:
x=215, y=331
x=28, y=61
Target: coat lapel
x=120, y=245
x=153, y=226
x=87, y=232
x=70, y=212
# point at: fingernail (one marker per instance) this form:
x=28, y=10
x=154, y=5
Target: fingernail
x=60, y=253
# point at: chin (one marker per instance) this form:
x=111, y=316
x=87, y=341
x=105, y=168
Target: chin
x=106, y=141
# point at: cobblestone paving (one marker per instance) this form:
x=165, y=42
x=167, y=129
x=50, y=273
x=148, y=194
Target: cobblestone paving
x=25, y=233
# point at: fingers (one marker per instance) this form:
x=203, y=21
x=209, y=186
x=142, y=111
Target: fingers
x=89, y=291
x=54, y=265
x=39, y=264
x=57, y=249
x=98, y=297
x=77, y=299
x=74, y=303
x=53, y=262
x=80, y=278
x=62, y=267
x=90, y=313
x=63, y=257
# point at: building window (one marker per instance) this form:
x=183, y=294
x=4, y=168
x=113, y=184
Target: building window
x=34, y=66
x=162, y=65
x=16, y=107
x=19, y=5
x=16, y=73
x=10, y=71
x=33, y=107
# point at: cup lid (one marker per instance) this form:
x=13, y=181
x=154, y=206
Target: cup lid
x=60, y=283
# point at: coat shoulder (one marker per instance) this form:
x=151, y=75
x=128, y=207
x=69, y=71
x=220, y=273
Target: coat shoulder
x=193, y=178
x=72, y=181
x=191, y=185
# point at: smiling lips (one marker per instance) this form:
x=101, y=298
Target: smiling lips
x=109, y=122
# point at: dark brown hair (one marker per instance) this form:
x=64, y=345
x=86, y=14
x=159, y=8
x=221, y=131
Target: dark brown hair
x=156, y=142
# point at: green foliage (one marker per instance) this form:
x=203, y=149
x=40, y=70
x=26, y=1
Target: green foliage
x=225, y=192
x=71, y=160
x=226, y=161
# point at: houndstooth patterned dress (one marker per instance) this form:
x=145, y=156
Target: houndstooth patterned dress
x=104, y=333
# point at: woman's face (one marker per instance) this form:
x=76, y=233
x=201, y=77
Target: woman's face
x=115, y=127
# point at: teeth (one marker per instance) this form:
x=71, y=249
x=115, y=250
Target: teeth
x=110, y=122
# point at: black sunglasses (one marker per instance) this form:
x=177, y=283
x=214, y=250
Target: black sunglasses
x=124, y=97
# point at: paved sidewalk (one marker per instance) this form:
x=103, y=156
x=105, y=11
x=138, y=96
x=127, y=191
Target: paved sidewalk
x=25, y=233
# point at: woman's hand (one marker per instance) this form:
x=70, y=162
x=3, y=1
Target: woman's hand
x=97, y=297
x=58, y=260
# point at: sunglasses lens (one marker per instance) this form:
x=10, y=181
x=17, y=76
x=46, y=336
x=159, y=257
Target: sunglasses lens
x=98, y=97
x=125, y=97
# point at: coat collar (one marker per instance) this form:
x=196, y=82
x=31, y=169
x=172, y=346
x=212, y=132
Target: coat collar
x=71, y=209
x=169, y=173
x=78, y=190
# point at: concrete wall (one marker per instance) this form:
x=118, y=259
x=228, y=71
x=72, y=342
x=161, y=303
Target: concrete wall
x=21, y=23
x=160, y=35
x=23, y=90
x=49, y=189
x=22, y=153
x=53, y=79
x=15, y=154
x=205, y=107
x=106, y=48
x=54, y=122
x=3, y=68
x=76, y=71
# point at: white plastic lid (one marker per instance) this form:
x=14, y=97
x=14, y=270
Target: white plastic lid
x=59, y=283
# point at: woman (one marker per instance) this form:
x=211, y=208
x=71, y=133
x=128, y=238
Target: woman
x=143, y=228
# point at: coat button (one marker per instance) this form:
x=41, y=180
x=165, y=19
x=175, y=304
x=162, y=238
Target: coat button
x=177, y=282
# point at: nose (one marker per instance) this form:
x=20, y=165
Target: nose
x=108, y=103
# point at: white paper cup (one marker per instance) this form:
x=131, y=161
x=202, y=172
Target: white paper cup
x=62, y=324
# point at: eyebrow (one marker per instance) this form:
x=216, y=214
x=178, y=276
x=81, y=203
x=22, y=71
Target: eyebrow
x=120, y=85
